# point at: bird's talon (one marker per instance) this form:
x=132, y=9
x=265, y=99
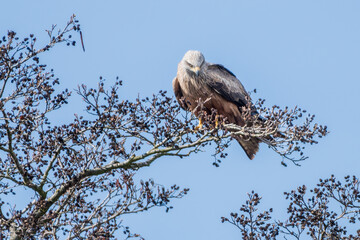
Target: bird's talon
x=199, y=127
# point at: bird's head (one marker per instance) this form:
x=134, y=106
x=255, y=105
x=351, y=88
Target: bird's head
x=193, y=61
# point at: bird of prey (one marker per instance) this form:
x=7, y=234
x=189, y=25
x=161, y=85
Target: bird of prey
x=197, y=79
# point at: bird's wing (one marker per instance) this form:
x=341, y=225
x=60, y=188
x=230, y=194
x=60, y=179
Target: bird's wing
x=179, y=94
x=226, y=84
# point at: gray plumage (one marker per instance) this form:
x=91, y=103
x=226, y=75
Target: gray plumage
x=197, y=79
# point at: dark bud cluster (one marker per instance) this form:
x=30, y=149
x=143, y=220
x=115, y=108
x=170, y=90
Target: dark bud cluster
x=331, y=210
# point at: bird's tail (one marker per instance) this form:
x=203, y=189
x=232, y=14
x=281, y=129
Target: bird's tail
x=250, y=145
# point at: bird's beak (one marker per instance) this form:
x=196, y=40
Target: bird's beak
x=196, y=70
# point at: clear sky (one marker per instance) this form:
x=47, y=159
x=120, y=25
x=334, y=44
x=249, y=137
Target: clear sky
x=304, y=53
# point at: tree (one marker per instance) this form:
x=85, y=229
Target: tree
x=327, y=213
x=81, y=174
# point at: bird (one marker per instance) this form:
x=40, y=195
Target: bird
x=218, y=88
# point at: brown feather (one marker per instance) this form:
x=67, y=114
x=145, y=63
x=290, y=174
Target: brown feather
x=178, y=94
x=250, y=146
x=233, y=115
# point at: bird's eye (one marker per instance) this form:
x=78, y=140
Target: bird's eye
x=190, y=65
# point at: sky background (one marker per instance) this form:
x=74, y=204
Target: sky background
x=304, y=53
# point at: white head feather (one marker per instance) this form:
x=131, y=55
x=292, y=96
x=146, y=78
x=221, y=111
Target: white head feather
x=193, y=60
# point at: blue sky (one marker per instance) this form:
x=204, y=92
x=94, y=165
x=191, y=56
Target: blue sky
x=304, y=53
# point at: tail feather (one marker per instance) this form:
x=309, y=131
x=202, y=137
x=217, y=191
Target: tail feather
x=250, y=146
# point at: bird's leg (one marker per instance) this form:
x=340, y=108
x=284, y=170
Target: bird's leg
x=216, y=121
x=198, y=127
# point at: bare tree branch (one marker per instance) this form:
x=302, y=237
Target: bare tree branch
x=80, y=174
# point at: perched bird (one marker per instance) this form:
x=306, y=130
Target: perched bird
x=218, y=87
